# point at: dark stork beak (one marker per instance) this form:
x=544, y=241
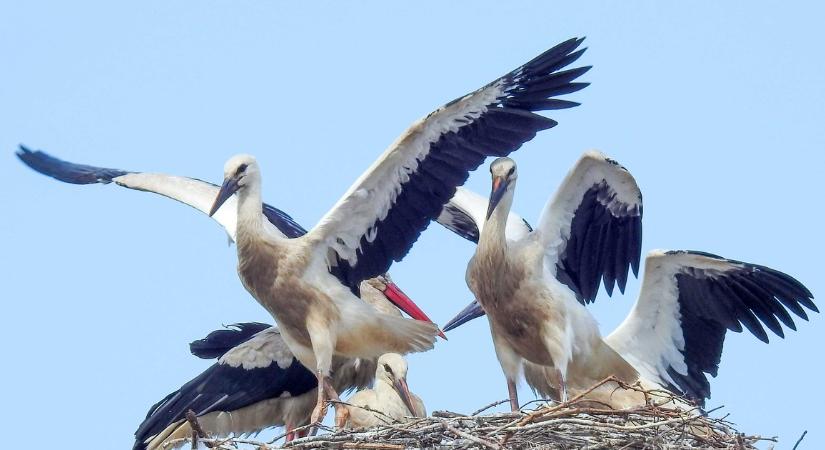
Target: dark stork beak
x=229, y=187
x=398, y=298
x=400, y=386
x=472, y=311
x=499, y=188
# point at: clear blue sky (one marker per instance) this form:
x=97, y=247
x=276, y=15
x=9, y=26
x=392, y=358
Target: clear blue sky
x=716, y=108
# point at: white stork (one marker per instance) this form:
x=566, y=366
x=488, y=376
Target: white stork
x=256, y=383
x=590, y=231
x=381, y=215
x=388, y=402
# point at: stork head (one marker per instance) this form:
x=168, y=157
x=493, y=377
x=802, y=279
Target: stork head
x=239, y=173
x=377, y=291
x=392, y=369
x=504, y=173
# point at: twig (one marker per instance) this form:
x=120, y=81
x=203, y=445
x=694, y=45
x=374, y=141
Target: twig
x=805, y=433
x=490, y=406
x=469, y=436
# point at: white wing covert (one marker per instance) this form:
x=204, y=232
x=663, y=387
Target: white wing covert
x=464, y=216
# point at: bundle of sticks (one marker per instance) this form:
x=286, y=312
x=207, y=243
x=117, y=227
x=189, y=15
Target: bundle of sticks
x=577, y=423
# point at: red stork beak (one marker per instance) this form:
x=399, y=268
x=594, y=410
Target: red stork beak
x=400, y=300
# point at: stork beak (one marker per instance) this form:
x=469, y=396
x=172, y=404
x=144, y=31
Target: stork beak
x=499, y=187
x=398, y=298
x=229, y=187
x=400, y=386
x=472, y=311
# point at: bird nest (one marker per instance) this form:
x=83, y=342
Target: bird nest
x=578, y=423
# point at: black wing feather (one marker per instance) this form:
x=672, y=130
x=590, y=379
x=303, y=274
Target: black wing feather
x=218, y=342
x=713, y=302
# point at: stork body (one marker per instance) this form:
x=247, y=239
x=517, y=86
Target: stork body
x=589, y=233
x=533, y=317
x=390, y=400
x=317, y=316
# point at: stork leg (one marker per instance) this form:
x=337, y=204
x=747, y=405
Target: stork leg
x=290, y=432
x=513, y=391
x=562, y=386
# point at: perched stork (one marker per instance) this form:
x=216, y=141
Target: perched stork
x=389, y=401
x=256, y=383
x=533, y=315
x=673, y=336
x=379, y=218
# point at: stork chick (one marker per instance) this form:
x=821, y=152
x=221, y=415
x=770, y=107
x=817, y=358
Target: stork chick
x=390, y=400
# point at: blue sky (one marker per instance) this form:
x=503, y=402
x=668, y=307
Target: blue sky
x=716, y=108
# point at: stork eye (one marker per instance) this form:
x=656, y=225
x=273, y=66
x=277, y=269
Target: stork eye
x=511, y=172
x=387, y=369
x=241, y=169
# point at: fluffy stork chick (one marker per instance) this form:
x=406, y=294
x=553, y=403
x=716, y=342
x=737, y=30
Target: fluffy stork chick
x=389, y=401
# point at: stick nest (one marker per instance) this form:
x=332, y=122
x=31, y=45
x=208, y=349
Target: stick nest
x=575, y=424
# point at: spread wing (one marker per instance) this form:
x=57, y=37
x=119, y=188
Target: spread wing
x=592, y=227
x=386, y=209
x=189, y=191
x=689, y=300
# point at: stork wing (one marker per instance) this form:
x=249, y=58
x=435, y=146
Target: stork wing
x=464, y=215
x=675, y=332
x=190, y=191
x=383, y=213
x=592, y=227
x=259, y=369
x=218, y=342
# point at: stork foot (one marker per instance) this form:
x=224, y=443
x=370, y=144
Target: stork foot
x=325, y=393
x=341, y=416
x=319, y=412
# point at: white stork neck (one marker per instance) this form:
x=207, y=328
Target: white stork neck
x=493, y=236
x=250, y=205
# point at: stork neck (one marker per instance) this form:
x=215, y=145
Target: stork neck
x=250, y=207
x=493, y=236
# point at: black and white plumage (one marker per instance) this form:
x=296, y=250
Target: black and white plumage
x=689, y=300
x=382, y=214
x=256, y=383
x=534, y=287
x=674, y=335
x=192, y=192
x=189, y=191
x=593, y=226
